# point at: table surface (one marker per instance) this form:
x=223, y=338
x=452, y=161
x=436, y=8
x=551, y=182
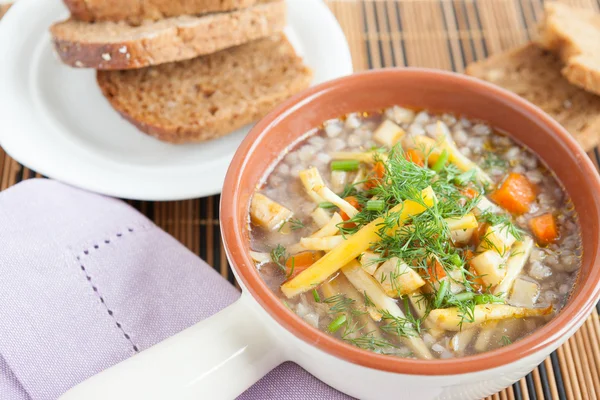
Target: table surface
x=446, y=34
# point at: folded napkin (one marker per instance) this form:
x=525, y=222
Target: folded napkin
x=87, y=281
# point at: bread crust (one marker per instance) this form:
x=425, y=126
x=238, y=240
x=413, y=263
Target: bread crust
x=4, y=8
x=230, y=89
x=574, y=35
x=117, y=46
x=535, y=74
x=136, y=11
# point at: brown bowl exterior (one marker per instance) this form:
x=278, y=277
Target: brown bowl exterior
x=434, y=90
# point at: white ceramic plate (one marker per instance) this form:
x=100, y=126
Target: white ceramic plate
x=54, y=119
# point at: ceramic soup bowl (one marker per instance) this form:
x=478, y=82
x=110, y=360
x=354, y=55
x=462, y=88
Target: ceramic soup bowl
x=225, y=354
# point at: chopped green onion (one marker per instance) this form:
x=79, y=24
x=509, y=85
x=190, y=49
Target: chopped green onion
x=327, y=204
x=337, y=323
x=487, y=299
x=464, y=178
x=455, y=259
x=375, y=205
x=344, y=165
x=440, y=162
x=464, y=296
x=316, y=296
x=441, y=293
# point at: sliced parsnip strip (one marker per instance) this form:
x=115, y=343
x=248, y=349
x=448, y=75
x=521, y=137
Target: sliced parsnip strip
x=484, y=205
x=313, y=183
x=343, y=205
x=365, y=283
x=524, y=293
x=388, y=133
x=497, y=238
x=260, y=258
x=339, y=180
x=354, y=246
x=370, y=261
x=369, y=157
x=340, y=285
x=433, y=148
x=322, y=243
x=268, y=213
x=320, y=216
x=467, y=221
x=461, y=340
x=295, y=249
x=489, y=265
x=359, y=179
x=329, y=229
x=450, y=318
x=397, y=278
x=311, y=178
x=456, y=157
x=419, y=303
x=461, y=236
x=519, y=254
x=484, y=339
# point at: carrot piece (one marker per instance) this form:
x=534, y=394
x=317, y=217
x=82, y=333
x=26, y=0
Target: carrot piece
x=415, y=157
x=435, y=271
x=515, y=194
x=377, y=175
x=544, y=228
x=353, y=201
x=478, y=282
x=469, y=192
x=299, y=262
x=469, y=254
x=478, y=234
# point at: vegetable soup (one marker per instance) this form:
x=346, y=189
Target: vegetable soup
x=415, y=234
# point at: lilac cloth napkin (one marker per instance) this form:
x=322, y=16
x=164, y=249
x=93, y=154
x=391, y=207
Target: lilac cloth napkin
x=86, y=281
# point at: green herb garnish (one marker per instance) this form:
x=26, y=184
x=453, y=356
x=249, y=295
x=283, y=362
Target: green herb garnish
x=344, y=165
x=279, y=256
x=337, y=323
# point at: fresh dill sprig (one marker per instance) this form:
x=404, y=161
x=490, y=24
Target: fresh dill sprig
x=493, y=160
x=505, y=340
x=338, y=303
x=279, y=256
x=368, y=301
x=295, y=224
x=503, y=221
x=369, y=341
x=402, y=327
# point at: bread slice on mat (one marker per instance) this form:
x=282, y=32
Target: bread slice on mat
x=118, y=45
x=574, y=35
x=4, y=8
x=534, y=74
x=135, y=11
x=207, y=97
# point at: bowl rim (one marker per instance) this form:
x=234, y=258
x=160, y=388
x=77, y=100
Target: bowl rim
x=574, y=313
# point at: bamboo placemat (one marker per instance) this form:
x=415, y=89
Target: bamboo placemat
x=446, y=34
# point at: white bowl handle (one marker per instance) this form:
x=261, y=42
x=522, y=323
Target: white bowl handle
x=217, y=358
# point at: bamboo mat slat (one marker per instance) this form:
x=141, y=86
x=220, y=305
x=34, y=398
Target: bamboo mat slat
x=446, y=34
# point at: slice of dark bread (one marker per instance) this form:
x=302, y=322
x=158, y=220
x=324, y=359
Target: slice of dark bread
x=574, y=35
x=4, y=8
x=535, y=74
x=210, y=96
x=118, y=45
x=135, y=11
